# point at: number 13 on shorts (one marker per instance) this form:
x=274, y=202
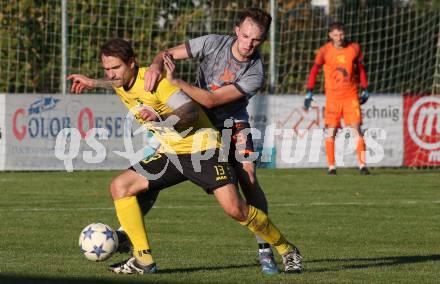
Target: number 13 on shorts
x=220, y=170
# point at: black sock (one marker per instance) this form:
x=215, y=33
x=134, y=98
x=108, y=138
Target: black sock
x=263, y=246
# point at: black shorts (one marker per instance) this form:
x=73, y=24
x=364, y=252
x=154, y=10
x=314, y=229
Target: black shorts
x=241, y=142
x=169, y=170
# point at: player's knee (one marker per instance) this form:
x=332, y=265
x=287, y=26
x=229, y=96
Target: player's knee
x=330, y=132
x=357, y=131
x=238, y=213
x=118, y=188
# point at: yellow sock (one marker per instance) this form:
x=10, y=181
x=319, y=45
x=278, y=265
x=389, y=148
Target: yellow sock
x=259, y=223
x=143, y=256
x=131, y=219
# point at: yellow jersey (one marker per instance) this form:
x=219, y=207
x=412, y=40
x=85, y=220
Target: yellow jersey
x=199, y=137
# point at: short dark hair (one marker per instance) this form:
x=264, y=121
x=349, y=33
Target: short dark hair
x=336, y=26
x=119, y=48
x=258, y=16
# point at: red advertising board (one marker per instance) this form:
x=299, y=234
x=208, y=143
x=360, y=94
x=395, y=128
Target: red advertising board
x=421, y=130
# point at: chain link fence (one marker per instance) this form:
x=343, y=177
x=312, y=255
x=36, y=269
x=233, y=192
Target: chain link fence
x=400, y=43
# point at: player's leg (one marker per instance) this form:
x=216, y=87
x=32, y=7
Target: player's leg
x=146, y=200
x=330, y=137
x=254, y=195
x=252, y=191
x=333, y=112
x=240, y=149
x=123, y=190
x=360, y=149
x=219, y=178
x=353, y=119
x=242, y=146
x=126, y=189
x=258, y=223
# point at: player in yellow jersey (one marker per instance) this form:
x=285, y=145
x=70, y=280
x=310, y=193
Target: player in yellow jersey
x=178, y=159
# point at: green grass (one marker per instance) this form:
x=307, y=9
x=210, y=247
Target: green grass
x=383, y=228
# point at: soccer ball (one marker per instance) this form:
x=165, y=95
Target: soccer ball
x=98, y=242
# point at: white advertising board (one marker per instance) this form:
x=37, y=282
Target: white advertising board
x=286, y=135
x=2, y=131
x=33, y=122
x=296, y=137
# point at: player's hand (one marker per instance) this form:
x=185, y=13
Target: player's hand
x=170, y=67
x=147, y=114
x=80, y=82
x=364, y=97
x=152, y=77
x=308, y=100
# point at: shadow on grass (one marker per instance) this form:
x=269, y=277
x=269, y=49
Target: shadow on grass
x=347, y=263
x=210, y=268
x=24, y=279
x=27, y=279
x=341, y=265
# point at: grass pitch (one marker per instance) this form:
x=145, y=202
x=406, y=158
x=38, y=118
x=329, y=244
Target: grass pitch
x=382, y=228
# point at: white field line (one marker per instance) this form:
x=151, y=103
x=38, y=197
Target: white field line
x=395, y=202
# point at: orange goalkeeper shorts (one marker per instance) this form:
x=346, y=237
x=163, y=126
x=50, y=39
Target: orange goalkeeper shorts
x=347, y=109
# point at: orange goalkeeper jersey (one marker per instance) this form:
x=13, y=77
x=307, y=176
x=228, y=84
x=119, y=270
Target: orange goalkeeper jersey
x=340, y=74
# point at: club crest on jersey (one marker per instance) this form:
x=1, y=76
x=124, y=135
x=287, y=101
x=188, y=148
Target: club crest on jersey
x=341, y=59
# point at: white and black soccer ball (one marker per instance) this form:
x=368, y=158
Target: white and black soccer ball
x=98, y=242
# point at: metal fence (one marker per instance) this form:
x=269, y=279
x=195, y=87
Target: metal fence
x=400, y=44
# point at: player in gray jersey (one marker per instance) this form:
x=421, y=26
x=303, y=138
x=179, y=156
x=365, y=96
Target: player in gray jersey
x=219, y=68
x=229, y=74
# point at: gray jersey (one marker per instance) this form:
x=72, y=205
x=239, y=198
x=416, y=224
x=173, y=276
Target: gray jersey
x=218, y=68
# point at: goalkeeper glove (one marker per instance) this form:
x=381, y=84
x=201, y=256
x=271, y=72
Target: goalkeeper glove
x=308, y=100
x=364, y=97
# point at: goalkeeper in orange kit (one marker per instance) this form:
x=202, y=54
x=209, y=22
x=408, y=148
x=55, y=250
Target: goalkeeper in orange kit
x=342, y=63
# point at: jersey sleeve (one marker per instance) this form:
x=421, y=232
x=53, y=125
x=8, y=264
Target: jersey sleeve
x=358, y=52
x=360, y=66
x=319, y=61
x=251, y=82
x=312, y=77
x=319, y=58
x=170, y=95
x=201, y=46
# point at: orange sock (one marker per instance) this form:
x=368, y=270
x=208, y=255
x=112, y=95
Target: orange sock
x=361, y=151
x=330, y=151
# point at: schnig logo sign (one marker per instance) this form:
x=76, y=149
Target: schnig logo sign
x=422, y=130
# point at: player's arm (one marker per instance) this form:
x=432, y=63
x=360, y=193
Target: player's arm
x=319, y=61
x=362, y=77
x=154, y=73
x=310, y=85
x=364, y=84
x=207, y=99
x=184, y=110
x=312, y=77
x=81, y=82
